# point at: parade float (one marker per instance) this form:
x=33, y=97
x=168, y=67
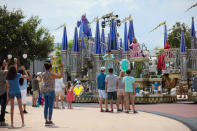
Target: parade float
x=89, y=54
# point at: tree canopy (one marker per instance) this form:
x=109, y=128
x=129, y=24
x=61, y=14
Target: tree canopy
x=19, y=36
x=175, y=35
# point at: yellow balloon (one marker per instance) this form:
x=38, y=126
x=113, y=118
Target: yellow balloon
x=78, y=90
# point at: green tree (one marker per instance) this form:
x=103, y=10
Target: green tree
x=70, y=44
x=58, y=49
x=175, y=35
x=18, y=36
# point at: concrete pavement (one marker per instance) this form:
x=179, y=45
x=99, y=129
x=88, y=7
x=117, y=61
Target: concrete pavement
x=89, y=118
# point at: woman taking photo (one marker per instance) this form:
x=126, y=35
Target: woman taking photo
x=13, y=90
x=48, y=90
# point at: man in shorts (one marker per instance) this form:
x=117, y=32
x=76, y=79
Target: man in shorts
x=59, y=92
x=110, y=88
x=35, y=87
x=101, y=89
x=129, y=86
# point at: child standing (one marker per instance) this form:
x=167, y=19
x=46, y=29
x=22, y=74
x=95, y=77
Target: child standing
x=129, y=86
x=121, y=92
x=23, y=89
x=70, y=95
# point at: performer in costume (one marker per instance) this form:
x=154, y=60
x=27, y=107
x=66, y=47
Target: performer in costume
x=135, y=48
x=108, y=58
x=161, y=60
x=85, y=30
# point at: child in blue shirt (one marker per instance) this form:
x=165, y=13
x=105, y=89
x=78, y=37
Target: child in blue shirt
x=129, y=86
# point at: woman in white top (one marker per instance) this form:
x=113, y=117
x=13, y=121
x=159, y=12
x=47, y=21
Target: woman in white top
x=59, y=92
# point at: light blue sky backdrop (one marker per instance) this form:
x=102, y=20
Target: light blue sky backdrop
x=146, y=14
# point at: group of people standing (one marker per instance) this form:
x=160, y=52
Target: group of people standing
x=13, y=83
x=119, y=89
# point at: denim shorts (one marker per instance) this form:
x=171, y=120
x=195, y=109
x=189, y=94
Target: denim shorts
x=17, y=95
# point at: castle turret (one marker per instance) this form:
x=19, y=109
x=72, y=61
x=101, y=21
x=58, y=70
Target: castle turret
x=165, y=34
x=125, y=48
x=183, y=57
x=103, y=48
x=65, y=53
x=97, y=53
x=83, y=55
x=112, y=38
x=193, y=36
x=131, y=33
x=97, y=40
x=75, y=56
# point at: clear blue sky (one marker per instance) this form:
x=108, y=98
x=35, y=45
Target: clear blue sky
x=146, y=14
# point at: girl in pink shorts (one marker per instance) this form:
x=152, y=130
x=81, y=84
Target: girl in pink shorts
x=121, y=91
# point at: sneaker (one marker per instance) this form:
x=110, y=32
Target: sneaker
x=51, y=123
x=47, y=123
x=127, y=112
x=119, y=110
x=134, y=112
x=106, y=110
x=25, y=112
x=102, y=110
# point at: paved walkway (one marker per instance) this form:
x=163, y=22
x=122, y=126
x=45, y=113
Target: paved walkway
x=186, y=112
x=86, y=117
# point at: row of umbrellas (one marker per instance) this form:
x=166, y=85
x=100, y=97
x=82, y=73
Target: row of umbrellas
x=112, y=38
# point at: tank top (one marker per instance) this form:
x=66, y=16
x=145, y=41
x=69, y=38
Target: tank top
x=48, y=82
